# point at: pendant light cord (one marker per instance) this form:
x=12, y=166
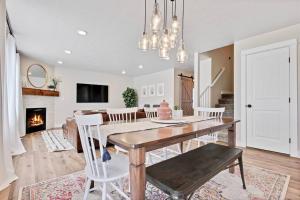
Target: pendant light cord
x=165, y=14
x=182, y=27
x=175, y=8
x=145, y=17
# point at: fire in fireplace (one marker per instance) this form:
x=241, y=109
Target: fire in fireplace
x=35, y=119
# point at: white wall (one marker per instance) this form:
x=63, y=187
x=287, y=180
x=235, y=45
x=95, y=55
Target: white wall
x=66, y=103
x=292, y=32
x=166, y=77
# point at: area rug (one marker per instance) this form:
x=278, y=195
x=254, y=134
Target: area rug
x=262, y=184
x=55, y=141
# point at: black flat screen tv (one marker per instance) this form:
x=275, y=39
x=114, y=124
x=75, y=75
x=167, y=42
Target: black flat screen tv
x=87, y=93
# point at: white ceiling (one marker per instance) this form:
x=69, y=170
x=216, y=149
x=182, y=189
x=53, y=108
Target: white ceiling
x=45, y=28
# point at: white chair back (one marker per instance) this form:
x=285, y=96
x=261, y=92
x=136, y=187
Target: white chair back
x=209, y=112
x=151, y=112
x=87, y=126
x=122, y=115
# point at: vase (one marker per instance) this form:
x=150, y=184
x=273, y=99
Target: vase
x=164, y=112
x=177, y=114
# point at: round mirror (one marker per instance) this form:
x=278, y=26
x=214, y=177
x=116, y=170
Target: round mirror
x=37, y=75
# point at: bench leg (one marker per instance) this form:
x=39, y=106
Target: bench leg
x=242, y=170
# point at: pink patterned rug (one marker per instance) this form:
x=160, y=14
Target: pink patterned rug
x=262, y=184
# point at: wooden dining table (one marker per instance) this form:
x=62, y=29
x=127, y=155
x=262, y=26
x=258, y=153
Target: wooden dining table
x=139, y=142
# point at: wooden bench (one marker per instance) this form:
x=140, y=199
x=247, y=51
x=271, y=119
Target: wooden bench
x=182, y=175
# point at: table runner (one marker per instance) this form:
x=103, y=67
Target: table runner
x=147, y=124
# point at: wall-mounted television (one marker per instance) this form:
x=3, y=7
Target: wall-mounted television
x=88, y=93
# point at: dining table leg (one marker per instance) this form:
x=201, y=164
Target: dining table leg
x=232, y=141
x=137, y=171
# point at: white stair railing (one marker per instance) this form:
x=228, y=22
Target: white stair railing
x=204, y=99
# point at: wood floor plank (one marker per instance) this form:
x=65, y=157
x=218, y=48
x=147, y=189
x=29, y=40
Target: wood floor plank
x=37, y=164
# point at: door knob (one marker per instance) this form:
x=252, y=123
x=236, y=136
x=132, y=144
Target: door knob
x=249, y=106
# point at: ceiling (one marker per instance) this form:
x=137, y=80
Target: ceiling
x=45, y=28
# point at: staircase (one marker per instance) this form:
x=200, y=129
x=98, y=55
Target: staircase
x=227, y=101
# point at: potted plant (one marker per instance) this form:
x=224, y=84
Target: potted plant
x=130, y=97
x=177, y=113
x=54, y=83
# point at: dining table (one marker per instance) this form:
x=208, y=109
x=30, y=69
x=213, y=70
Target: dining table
x=137, y=143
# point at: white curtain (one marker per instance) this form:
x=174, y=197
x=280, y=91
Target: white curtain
x=7, y=173
x=12, y=116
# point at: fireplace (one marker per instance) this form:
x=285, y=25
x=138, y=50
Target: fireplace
x=35, y=119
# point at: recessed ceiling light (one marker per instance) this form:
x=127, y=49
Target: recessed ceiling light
x=68, y=51
x=82, y=32
x=60, y=62
x=141, y=66
x=123, y=72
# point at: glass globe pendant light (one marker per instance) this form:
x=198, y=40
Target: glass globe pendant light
x=164, y=44
x=175, y=25
x=156, y=19
x=164, y=53
x=154, y=41
x=144, y=41
x=182, y=55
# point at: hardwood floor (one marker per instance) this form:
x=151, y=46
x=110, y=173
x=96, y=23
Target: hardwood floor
x=38, y=165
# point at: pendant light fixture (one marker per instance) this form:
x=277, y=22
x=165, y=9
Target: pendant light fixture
x=164, y=37
x=164, y=44
x=144, y=41
x=156, y=19
x=154, y=41
x=182, y=55
x=174, y=26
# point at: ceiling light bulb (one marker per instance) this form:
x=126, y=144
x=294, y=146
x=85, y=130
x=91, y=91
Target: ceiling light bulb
x=141, y=66
x=144, y=42
x=164, y=53
x=123, y=72
x=60, y=62
x=173, y=40
x=175, y=27
x=82, y=32
x=165, y=40
x=154, y=40
x=156, y=19
x=68, y=51
x=182, y=55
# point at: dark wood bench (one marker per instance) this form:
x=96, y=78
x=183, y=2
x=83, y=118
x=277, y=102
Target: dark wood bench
x=182, y=175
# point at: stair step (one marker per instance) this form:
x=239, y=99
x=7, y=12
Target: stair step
x=226, y=101
x=227, y=96
x=227, y=106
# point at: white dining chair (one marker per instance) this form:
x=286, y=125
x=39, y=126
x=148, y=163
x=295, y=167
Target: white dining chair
x=150, y=114
x=108, y=173
x=122, y=115
x=207, y=112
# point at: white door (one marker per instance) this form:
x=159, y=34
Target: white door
x=268, y=100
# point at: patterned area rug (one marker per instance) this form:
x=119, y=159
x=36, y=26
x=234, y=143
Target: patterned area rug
x=55, y=140
x=262, y=184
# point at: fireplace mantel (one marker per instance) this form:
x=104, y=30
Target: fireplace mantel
x=39, y=92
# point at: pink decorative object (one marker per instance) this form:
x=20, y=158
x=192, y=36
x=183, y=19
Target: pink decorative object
x=164, y=112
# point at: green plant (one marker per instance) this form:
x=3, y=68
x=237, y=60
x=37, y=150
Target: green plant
x=176, y=107
x=130, y=97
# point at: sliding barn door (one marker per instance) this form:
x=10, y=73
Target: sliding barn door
x=187, y=85
x=268, y=100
